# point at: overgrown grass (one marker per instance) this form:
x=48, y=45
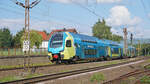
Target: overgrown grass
x=112, y=62
x=97, y=77
x=148, y=60
x=145, y=80
x=9, y=78
x=13, y=78
x=132, y=78
x=124, y=82
x=147, y=67
x=33, y=75
x=21, y=66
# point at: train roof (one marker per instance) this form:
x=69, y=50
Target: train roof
x=91, y=39
x=85, y=38
x=111, y=43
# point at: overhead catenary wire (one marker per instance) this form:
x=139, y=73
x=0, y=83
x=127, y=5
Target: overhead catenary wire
x=12, y=11
x=80, y=5
x=34, y=17
x=75, y=23
x=144, y=7
x=22, y=14
x=67, y=19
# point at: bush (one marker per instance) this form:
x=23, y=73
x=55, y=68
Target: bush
x=145, y=80
x=98, y=77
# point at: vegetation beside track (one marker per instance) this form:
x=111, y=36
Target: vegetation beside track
x=2, y=67
x=13, y=78
x=99, y=77
x=145, y=80
x=9, y=78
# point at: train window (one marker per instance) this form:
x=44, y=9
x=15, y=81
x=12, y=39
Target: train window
x=115, y=50
x=68, y=43
x=90, y=52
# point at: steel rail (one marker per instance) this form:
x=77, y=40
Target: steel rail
x=117, y=80
x=133, y=73
x=18, y=68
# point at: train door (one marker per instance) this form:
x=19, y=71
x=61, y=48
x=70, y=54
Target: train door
x=78, y=50
x=69, y=49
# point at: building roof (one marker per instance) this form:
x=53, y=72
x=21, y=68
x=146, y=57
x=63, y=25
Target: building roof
x=44, y=35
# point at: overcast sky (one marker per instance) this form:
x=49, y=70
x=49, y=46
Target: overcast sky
x=80, y=14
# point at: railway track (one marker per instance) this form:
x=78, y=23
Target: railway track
x=124, y=77
x=65, y=74
x=50, y=65
x=136, y=73
x=40, y=66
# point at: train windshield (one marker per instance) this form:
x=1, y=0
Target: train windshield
x=56, y=40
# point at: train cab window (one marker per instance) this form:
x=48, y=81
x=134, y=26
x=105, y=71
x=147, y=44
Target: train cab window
x=68, y=43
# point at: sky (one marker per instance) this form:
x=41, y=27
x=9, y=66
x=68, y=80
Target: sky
x=79, y=14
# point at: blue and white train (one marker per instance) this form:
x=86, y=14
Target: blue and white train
x=70, y=47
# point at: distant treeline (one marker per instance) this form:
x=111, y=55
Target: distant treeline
x=7, y=40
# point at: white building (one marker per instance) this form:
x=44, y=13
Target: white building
x=45, y=39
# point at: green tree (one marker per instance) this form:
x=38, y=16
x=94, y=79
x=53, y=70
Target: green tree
x=35, y=39
x=145, y=48
x=116, y=38
x=5, y=38
x=17, y=37
x=103, y=31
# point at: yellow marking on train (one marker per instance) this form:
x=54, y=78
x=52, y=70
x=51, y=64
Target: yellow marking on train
x=114, y=55
x=69, y=52
x=109, y=51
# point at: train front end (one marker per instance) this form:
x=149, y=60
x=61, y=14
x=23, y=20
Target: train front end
x=60, y=47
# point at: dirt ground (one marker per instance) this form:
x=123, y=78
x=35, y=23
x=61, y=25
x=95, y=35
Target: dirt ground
x=109, y=74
